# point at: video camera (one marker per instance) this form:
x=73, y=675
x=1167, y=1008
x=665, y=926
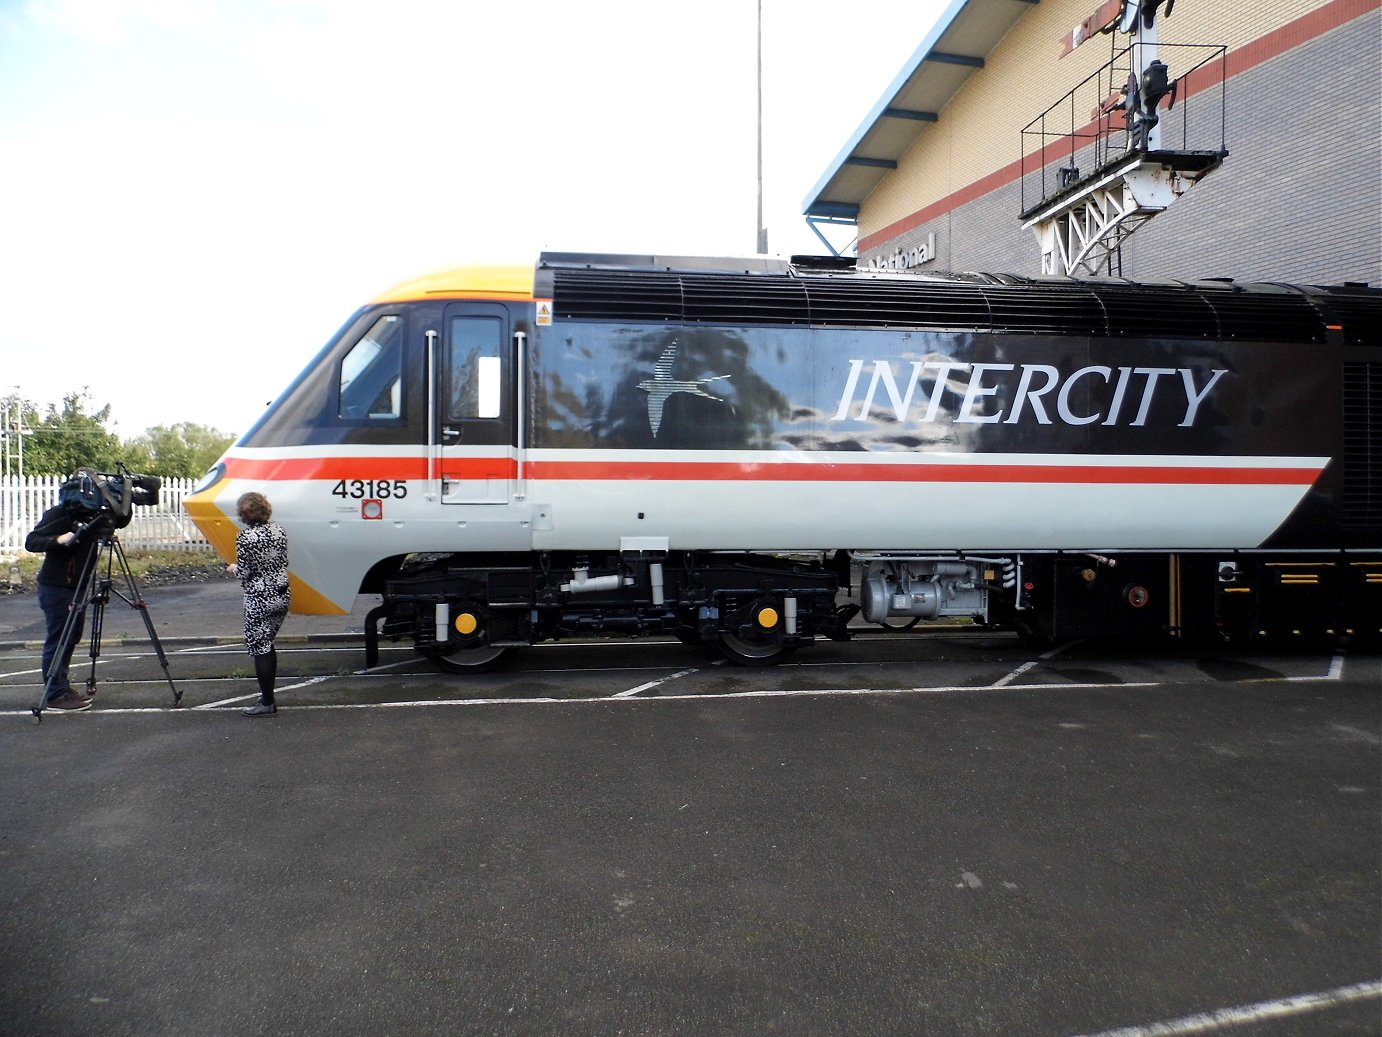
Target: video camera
x=107, y=496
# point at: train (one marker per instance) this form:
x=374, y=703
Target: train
x=756, y=454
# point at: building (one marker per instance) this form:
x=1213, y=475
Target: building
x=940, y=173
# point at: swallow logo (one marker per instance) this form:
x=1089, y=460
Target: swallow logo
x=662, y=385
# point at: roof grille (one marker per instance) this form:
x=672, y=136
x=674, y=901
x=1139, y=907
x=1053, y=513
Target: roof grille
x=729, y=299
x=1056, y=308
x=1156, y=311
x=895, y=302
x=625, y=295
x=804, y=296
x=1281, y=315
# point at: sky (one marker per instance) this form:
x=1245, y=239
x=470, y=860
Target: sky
x=195, y=194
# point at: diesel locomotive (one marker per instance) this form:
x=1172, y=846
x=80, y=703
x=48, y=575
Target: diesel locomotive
x=755, y=454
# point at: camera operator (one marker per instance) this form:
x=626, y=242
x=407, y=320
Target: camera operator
x=66, y=554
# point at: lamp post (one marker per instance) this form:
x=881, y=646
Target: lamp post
x=762, y=243
x=12, y=431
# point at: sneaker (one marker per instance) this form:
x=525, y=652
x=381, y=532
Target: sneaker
x=71, y=701
x=260, y=709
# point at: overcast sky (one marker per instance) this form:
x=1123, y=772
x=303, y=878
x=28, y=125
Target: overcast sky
x=195, y=194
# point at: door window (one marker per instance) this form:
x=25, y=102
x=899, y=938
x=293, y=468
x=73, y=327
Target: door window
x=475, y=367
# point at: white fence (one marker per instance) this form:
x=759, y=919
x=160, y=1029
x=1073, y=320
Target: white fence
x=160, y=527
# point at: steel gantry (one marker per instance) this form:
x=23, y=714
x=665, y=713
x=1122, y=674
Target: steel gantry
x=1113, y=125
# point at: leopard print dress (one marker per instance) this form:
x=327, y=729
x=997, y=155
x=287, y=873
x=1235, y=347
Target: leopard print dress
x=261, y=563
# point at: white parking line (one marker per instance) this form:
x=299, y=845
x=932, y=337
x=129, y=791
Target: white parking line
x=1028, y=665
x=1246, y=1014
x=304, y=683
x=651, y=684
x=1336, y=670
x=285, y=687
x=769, y=693
x=1335, y=673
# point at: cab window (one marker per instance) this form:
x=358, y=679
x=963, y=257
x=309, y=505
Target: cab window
x=371, y=374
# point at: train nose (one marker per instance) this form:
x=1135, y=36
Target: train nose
x=208, y=516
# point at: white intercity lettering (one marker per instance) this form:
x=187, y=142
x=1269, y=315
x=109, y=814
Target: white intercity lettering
x=1063, y=400
x=1193, y=397
x=1026, y=394
x=1016, y=393
x=977, y=391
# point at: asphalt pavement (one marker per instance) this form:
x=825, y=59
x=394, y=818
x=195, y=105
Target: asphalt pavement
x=912, y=837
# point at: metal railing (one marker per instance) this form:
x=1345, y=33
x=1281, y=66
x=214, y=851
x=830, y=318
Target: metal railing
x=1088, y=129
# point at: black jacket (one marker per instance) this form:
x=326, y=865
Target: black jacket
x=62, y=566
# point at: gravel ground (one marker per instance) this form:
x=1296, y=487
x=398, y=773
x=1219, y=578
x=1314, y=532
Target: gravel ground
x=157, y=576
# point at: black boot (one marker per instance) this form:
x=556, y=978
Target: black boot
x=265, y=670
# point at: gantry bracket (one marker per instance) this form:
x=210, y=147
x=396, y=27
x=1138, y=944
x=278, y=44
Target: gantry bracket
x=1081, y=228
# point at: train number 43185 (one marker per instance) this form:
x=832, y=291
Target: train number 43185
x=381, y=489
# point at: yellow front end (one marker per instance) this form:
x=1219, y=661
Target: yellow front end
x=212, y=511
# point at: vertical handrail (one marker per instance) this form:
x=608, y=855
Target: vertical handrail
x=433, y=477
x=520, y=340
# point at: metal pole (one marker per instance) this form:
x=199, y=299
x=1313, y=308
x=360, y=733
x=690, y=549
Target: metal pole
x=762, y=244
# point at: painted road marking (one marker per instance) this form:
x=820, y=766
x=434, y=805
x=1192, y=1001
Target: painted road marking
x=1335, y=673
x=651, y=684
x=1245, y=1014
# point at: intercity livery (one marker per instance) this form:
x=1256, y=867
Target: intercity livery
x=755, y=454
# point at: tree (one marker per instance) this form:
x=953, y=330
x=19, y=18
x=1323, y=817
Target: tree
x=66, y=438
x=183, y=450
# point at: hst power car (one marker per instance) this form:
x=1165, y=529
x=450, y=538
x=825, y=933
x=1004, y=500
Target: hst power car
x=752, y=453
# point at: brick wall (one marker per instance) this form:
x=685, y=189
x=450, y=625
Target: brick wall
x=1299, y=197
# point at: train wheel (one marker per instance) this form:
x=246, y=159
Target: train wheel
x=480, y=659
x=759, y=650
x=1031, y=633
x=904, y=625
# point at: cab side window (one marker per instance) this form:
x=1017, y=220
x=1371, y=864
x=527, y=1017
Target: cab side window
x=371, y=374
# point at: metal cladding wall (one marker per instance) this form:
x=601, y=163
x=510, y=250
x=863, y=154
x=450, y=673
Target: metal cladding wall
x=1295, y=200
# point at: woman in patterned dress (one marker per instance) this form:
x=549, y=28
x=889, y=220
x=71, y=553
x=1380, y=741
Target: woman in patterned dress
x=261, y=564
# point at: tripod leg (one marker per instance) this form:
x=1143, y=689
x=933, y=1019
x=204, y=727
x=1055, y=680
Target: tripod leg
x=137, y=601
x=97, y=599
x=98, y=623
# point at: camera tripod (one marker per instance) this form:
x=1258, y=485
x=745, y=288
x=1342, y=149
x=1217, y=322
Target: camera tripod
x=94, y=590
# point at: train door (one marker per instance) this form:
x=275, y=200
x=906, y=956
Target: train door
x=477, y=432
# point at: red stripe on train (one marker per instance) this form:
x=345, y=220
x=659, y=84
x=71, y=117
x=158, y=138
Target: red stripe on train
x=919, y=472
x=286, y=469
